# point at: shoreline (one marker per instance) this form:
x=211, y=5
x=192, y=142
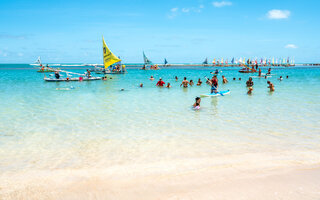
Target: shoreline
x=136, y=182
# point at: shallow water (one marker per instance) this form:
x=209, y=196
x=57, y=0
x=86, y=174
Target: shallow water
x=96, y=125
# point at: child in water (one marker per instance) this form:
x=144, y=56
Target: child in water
x=191, y=83
x=168, y=85
x=196, y=105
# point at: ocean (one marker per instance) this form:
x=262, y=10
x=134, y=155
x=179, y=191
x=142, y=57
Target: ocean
x=98, y=127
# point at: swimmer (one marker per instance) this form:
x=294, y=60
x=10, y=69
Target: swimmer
x=271, y=86
x=265, y=77
x=234, y=79
x=249, y=83
x=151, y=78
x=224, y=80
x=287, y=76
x=250, y=89
x=239, y=79
x=280, y=79
x=141, y=85
x=168, y=85
x=121, y=89
x=196, y=105
x=176, y=78
x=185, y=82
x=191, y=83
x=199, y=82
x=104, y=78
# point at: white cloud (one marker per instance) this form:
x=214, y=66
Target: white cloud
x=290, y=46
x=220, y=4
x=278, y=14
x=174, y=9
x=185, y=10
x=174, y=12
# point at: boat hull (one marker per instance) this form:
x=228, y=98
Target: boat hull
x=246, y=71
x=72, y=79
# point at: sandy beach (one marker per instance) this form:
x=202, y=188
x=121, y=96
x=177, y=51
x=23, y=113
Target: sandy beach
x=150, y=182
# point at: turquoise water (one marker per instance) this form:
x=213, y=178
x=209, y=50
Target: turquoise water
x=96, y=125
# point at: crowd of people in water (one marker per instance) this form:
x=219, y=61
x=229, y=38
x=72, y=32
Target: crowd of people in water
x=214, y=83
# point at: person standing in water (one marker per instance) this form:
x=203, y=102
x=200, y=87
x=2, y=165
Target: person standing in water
x=259, y=72
x=151, y=78
x=224, y=80
x=199, y=82
x=191, y=83
x=88, y=73
x=271, y=86
x=269, y=71
x=161, y=83
x=176, y=78
x=249, y=83
x=214, y=84
x=168, y=85
x=185, y=82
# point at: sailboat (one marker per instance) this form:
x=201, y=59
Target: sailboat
x=165, y=62
x=41, y=68
x=205, y=62
x=148, y=62
x=109, y=59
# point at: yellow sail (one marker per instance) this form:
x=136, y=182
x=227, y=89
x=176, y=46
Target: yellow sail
x=108, y=57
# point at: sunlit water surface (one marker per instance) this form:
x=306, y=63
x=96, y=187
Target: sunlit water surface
x=96, y=125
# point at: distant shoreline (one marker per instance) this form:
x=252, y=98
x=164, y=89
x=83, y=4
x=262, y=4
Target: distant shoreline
x=168, y=65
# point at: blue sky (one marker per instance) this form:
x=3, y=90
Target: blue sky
x=181, y=31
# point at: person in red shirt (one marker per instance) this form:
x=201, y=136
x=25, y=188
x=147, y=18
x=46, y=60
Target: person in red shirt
x=161, y=83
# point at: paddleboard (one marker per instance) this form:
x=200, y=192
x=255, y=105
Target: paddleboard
x=221, y=93
x=260, y=76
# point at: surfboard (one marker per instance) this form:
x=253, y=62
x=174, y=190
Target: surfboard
x=221, y=93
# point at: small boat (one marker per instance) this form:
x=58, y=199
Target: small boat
x=42, y=68
x=81, y=77
x=112, y=63
x=148, y=62
x=72, y=79
x=247, y=70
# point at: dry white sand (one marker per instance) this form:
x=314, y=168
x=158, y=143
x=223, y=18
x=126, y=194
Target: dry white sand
x=298, y=183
